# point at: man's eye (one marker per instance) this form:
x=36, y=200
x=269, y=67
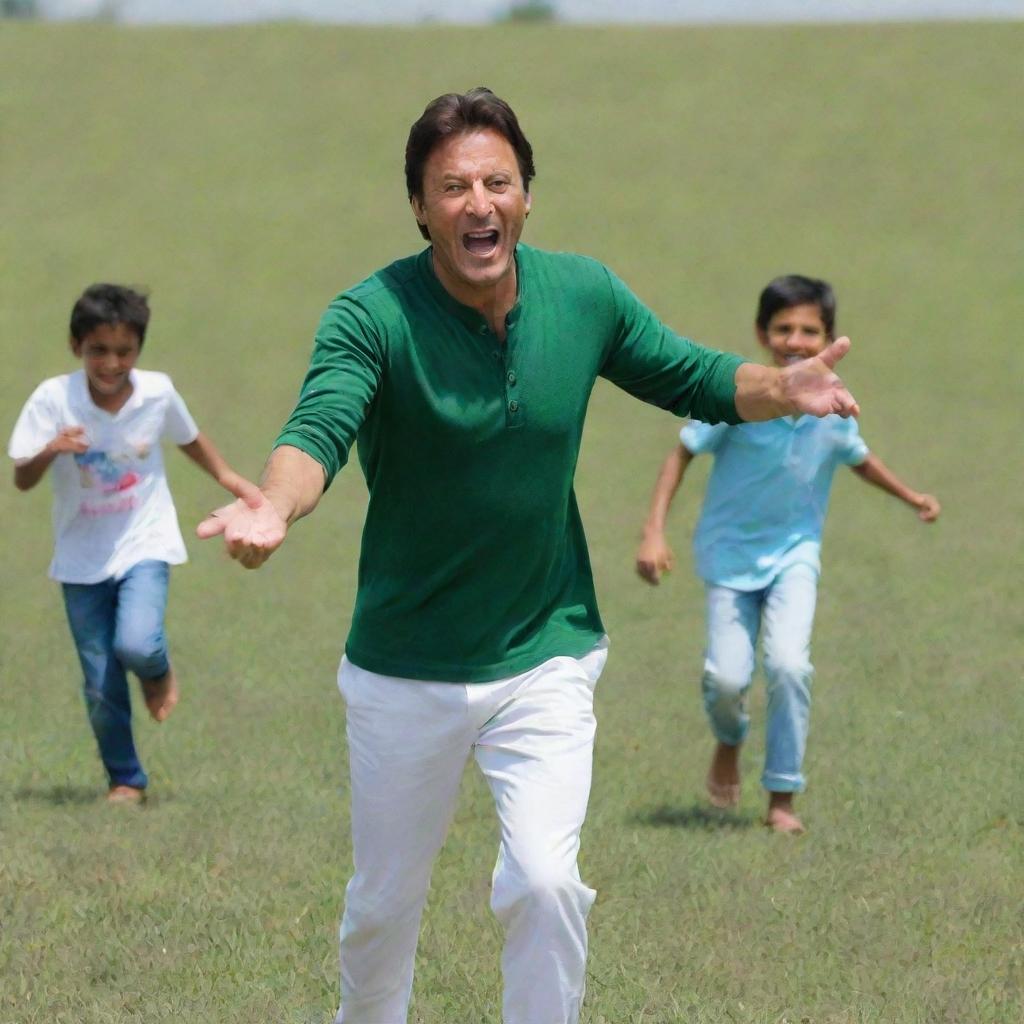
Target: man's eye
x=499, y=185
x=453, y=187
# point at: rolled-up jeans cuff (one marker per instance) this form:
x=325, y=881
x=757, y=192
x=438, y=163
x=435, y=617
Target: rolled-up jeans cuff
x=775, y=782
x=733, y=736
x=154, y=667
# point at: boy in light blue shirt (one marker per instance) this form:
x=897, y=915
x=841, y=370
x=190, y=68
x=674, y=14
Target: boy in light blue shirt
x=757, y=547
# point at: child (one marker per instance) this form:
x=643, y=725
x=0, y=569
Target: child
x=756, y=547
x=115, y=528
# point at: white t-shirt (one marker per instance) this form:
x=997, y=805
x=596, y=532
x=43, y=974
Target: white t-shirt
x=111, y=505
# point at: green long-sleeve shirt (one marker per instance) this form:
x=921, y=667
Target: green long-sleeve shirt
x=474, y=564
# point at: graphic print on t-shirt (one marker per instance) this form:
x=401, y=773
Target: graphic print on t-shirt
x=111, y=478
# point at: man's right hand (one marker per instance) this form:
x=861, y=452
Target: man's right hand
x=653, y=558
x=252, y=527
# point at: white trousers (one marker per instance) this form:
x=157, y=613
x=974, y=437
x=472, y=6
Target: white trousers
x=532, y=736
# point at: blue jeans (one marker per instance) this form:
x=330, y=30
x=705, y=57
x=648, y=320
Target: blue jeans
x=785, y=610
x=118, y=626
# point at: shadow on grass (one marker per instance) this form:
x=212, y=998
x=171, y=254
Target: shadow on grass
x=696, y=816
x=78, y=796
x=60, y=795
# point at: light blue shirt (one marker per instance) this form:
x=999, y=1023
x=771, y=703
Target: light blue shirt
x=767, y=495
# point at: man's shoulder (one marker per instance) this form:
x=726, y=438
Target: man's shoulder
x=395, y=277
x=580, y=280
x=572, y=264
x=384, y=284
x=382, y=292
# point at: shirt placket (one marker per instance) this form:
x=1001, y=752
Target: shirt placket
x=503, y=355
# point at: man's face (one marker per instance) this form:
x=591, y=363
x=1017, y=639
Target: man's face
x=474, y=205
x=797, y=332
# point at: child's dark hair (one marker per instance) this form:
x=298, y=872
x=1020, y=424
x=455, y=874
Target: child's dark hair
x=110, y=304
x=795, y=290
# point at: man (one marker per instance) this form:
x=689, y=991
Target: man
x=465, y=372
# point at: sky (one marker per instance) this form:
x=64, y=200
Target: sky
x=477, y=11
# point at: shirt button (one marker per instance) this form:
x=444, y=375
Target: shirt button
x=513, y=406
x=483, y=328
x=511, y=377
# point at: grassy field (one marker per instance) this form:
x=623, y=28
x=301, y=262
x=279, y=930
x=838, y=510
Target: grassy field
x=246, y=176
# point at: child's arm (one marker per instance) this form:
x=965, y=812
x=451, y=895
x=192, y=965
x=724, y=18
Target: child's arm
x=654, y=555
x=203, y=452
x=874, y=471
x=28, y=473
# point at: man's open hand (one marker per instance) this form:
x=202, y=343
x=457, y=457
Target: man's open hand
x=252, y=528
x=812, y=386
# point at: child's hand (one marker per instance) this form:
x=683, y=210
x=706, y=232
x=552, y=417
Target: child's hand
x=928, y=507
x=70, y=439
x=653, y=558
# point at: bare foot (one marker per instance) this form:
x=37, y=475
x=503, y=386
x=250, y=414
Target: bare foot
x=723, y=781
x=125, y=795
x=161, y=695
x=781, y=817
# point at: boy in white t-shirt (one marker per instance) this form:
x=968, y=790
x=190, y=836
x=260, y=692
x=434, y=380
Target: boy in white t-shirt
x=757, y=548
x=115, y=528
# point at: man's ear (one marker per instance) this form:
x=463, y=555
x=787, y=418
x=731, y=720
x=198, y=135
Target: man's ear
x=761, y=334
x=529, y=202
x=75, y=345
x=417, y=211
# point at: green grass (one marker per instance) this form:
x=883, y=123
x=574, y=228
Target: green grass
x=246, y=176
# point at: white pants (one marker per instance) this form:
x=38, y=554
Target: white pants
x=532, y=736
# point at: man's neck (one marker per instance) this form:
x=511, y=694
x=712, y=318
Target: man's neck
x=492, y=303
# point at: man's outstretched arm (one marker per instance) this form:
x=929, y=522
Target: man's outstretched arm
x=255, y=525
x=808, y=386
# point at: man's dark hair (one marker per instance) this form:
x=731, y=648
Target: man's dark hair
x=795, y=290
x=109, y=304
x=455, y=113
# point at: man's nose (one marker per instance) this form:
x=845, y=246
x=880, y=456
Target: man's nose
x=479, y=202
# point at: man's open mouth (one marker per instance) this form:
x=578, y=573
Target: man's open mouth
x=480, y=243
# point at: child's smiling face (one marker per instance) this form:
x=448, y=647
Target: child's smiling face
x=796, y=332
x=108, y=353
